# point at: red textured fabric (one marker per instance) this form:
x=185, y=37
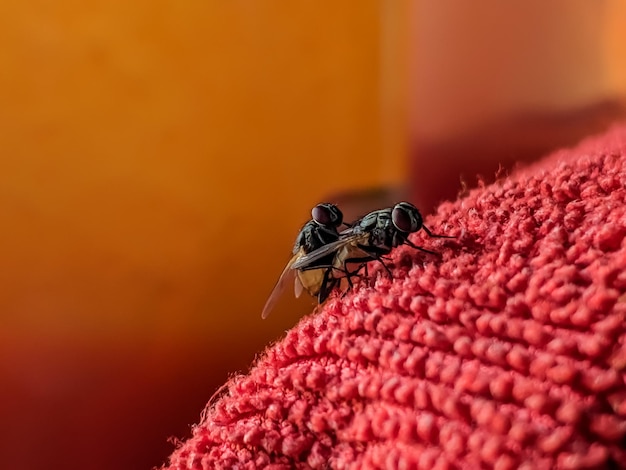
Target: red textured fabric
x=508, y=352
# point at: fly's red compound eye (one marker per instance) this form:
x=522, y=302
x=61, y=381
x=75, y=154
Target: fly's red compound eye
x=406, y=217
x=321, y=214
x=401, y=219
x=327, y=215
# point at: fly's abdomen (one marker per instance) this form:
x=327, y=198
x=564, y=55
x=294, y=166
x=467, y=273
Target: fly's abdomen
x=312, y=280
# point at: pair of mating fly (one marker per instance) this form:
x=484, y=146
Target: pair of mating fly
x=321, y=254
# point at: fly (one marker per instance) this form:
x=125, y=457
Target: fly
x=317, y=277
x=371, y=238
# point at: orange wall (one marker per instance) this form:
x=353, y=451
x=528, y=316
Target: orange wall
x=157, y=161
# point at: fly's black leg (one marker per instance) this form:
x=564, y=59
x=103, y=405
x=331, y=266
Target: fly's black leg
x=328, y=282
x=412, y=245
x=434, y=235
x=380, y=259
x=377, y=254
x=349, y=278
x=385, y=266
x=347, y=274
x=355, y=273
x=365, y=260
x=326, y=288
x=350, y=285
x=362, y=260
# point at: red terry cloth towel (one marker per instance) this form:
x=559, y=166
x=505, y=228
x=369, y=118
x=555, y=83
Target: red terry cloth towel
x=508, y=351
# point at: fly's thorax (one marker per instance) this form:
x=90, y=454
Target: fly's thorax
x=313, y=236
x=374, y=222
x=382, y=239
x=324, y=236
x=303, y=238
x=369, y=221
x=384, y=221
x=382, y=236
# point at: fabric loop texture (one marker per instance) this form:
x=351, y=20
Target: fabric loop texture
x=507, y=351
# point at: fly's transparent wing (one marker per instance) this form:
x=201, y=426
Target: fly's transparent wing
x=284, y=279
x=297, y=287
x=308, y=259
x=349, y=231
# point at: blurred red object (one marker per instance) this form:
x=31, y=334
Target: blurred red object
x=495, y=84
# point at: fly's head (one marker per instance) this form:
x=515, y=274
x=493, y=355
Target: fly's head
x=406, y=218
x=327, y=215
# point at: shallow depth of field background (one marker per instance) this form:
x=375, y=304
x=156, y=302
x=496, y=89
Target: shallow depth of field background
x=157, y=160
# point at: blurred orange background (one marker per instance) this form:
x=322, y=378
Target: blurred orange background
x=158, y=159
